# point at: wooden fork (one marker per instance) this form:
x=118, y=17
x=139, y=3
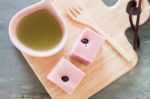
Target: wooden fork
x=79, y=14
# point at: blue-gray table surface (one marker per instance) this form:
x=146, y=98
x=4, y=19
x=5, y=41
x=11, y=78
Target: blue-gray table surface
x=17, y=80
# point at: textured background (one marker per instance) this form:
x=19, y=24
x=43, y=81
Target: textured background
x=17, y=80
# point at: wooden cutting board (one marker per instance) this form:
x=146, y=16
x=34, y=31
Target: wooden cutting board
x=108, y=66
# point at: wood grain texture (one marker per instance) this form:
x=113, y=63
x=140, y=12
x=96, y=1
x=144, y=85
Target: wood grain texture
x=108, y=66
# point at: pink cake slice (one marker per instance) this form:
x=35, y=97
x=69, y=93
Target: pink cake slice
x=87, y=46
x=66, y=75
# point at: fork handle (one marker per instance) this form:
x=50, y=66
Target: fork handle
x=121, y=51
x=89, y=22
x=115, y=45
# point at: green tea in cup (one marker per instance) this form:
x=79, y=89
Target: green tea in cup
x=39, y=31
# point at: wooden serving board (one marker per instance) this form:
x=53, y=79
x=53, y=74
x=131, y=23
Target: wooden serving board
x=108, y=65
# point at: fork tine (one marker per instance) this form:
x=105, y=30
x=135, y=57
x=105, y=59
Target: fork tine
x=81, y=7
x=72, y=10
x=76, y=6
x=69, y=12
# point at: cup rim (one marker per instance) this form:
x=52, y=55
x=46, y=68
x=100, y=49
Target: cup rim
x=28, y=50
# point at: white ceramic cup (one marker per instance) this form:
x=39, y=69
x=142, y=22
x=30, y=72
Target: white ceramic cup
x=44, y=4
